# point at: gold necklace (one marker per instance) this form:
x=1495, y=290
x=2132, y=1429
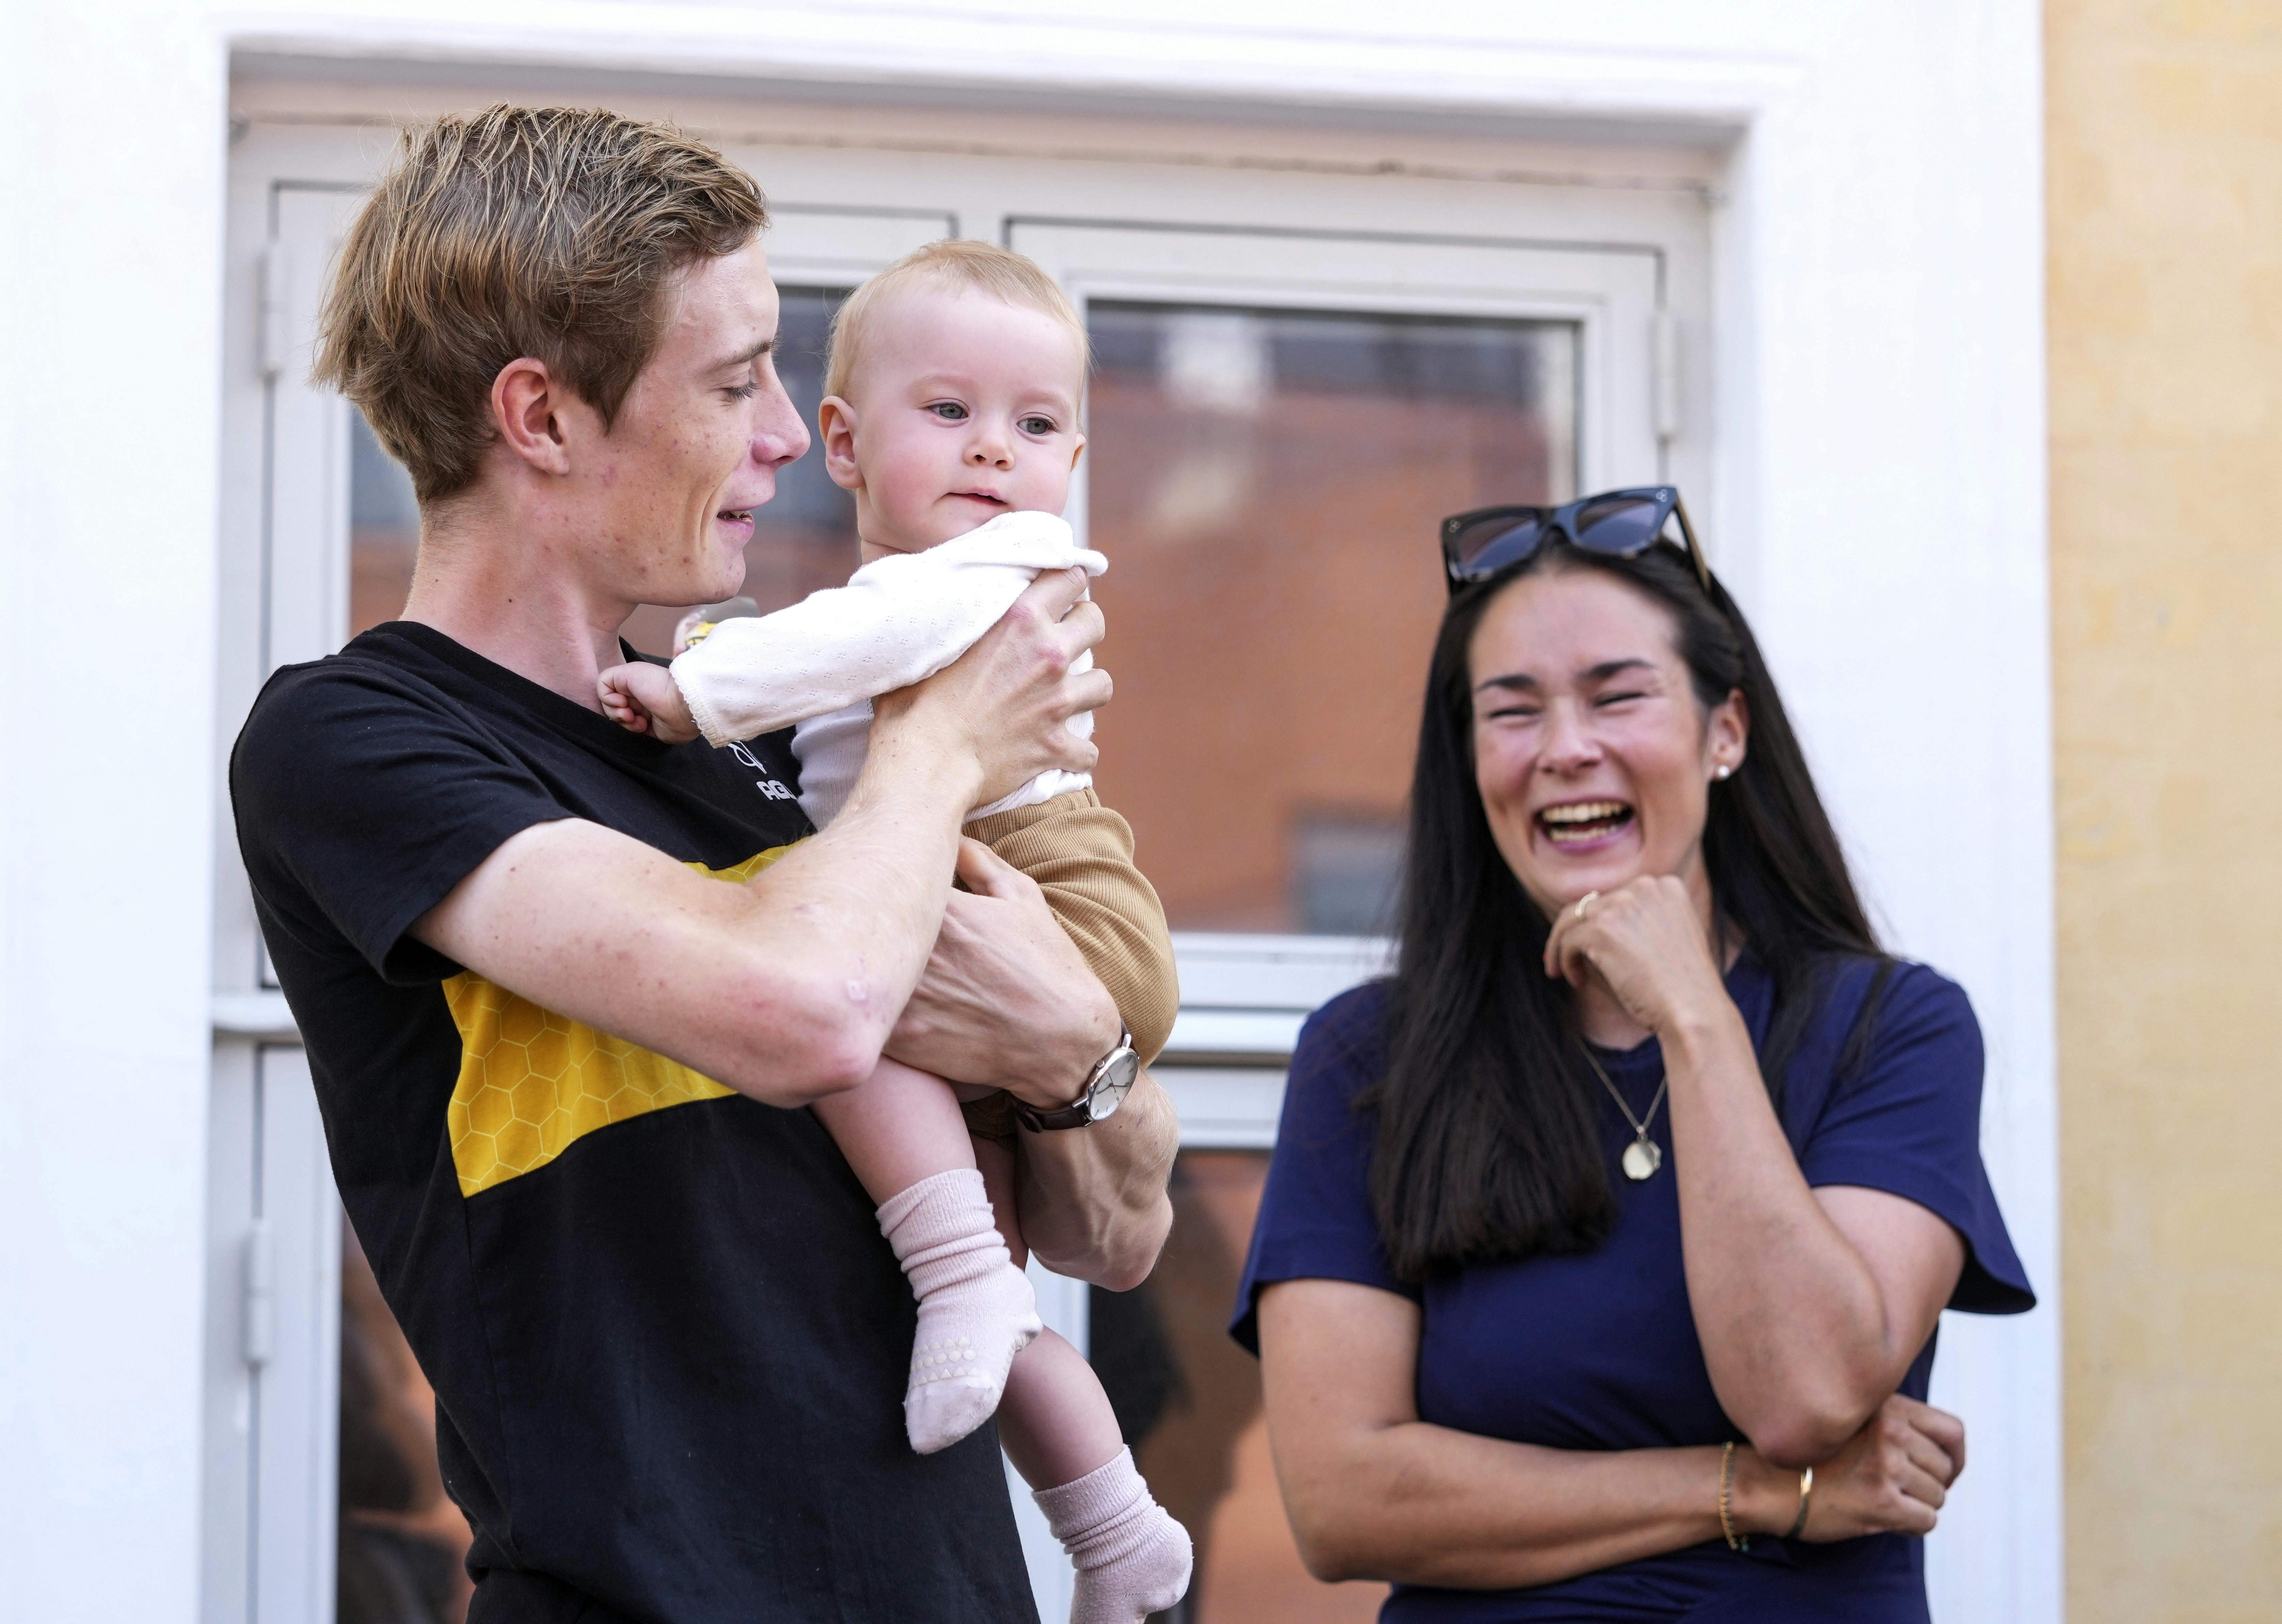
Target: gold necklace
x=1643, y=1155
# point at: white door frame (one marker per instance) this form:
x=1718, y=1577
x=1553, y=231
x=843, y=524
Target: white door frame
x=1815, y=223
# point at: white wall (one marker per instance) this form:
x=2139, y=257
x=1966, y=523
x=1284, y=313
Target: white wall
x=110, y=268
x=1879, y=474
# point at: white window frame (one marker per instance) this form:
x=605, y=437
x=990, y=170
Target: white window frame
x=1244, y=995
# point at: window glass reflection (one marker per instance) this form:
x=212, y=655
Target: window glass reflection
x=384, y=530
x=1189, y=1401
x=402, y=1541
x=1267, y=483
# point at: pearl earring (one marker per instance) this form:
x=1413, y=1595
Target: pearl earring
x=1721, y=771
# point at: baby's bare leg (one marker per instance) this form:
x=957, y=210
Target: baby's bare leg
x=904, y=1137
x=1056, y=1421
x=901, y=1125
x=995, y=1157
x=1132, y=1558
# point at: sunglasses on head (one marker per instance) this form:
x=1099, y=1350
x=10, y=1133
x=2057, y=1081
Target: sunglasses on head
x=1620, y=524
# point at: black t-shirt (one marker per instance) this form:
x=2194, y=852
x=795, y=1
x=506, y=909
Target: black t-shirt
x=668, y=1343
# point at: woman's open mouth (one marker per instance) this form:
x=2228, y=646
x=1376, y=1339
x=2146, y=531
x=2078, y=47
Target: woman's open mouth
x=1583, y=822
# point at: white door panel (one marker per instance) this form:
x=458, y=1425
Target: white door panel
x=273, y=1390
x=305, y=589
x=273, y=1463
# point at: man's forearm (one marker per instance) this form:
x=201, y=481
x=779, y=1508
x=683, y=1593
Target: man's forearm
x=862, y=902
x=1093, y=1201
x=784, y=989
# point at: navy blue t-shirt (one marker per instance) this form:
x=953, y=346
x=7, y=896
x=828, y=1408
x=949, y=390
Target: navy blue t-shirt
x=1598, y=1350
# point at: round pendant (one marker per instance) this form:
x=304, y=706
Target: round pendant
x=1642, y=1157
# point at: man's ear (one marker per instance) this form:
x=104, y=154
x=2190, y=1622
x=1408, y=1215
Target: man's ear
x=526, y=402
x=835, y=433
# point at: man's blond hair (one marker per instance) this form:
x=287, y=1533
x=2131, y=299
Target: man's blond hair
x=959, y=265
x=550, y=232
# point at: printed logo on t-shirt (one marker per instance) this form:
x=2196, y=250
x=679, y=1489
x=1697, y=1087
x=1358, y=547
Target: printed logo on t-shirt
x=775, y=789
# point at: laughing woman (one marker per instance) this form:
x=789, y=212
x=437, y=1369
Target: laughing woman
x=1600, y=1261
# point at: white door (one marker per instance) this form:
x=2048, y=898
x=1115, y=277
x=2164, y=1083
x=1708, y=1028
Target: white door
x=273, y=1228
x=1282, y=407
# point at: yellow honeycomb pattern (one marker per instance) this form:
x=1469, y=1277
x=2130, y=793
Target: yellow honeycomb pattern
x=532, y=1082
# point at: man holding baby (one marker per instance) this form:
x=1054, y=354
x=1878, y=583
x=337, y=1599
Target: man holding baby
x=553, y=1047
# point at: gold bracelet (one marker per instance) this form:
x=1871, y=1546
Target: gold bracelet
x=1805, y=1491
x=1735, y=1542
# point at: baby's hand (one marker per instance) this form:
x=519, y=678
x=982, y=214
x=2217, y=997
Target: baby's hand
x=643, y=699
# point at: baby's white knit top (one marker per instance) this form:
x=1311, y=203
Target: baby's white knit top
x=899, y=619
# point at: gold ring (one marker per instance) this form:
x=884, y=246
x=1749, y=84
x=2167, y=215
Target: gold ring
x=1586, y=901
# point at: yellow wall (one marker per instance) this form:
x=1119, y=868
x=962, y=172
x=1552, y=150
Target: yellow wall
x=2165, y=189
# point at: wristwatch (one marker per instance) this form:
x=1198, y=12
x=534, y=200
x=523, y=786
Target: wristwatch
x=1105, y=1088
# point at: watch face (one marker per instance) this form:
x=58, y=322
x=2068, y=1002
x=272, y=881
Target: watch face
x=1116, y=1082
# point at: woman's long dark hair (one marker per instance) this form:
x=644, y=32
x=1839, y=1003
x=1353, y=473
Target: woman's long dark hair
x=1487, y=1146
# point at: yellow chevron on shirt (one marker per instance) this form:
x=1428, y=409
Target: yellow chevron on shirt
x=533, y=1082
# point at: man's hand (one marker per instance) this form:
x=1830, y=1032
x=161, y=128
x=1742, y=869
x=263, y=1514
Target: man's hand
x=1007, y=1001
x=1006, y=702
x=644, y=698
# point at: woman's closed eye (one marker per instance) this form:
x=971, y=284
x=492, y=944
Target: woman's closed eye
x=1513, y=710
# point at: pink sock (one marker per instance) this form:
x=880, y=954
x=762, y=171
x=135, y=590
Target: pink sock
x=1132, y=1558
x=976, y=1309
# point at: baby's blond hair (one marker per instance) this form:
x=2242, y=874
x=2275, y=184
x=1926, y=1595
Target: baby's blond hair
x=958, y=265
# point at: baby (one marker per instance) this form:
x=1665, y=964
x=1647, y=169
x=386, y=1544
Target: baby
x=953, y=390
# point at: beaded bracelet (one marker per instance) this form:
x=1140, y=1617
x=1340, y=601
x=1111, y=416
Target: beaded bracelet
x=1735, y=1542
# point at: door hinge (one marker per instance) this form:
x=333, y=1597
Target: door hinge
x=259, y=1300
x=270, y=333
x=1664, y=360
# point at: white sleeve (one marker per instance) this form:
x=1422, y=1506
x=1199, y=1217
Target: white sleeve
x=898, y=620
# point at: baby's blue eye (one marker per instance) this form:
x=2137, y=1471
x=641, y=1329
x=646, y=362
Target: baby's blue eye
x=949, y=411
x=1037, y=425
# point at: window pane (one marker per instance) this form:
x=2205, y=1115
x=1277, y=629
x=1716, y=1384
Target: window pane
x=802, y=540
x=384, y=530
x=1189, y=1401
x=402, y=1541
x=1267, y=484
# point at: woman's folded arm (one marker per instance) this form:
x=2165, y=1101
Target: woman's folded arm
x=1810, y=1304
x=1375, y=1493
